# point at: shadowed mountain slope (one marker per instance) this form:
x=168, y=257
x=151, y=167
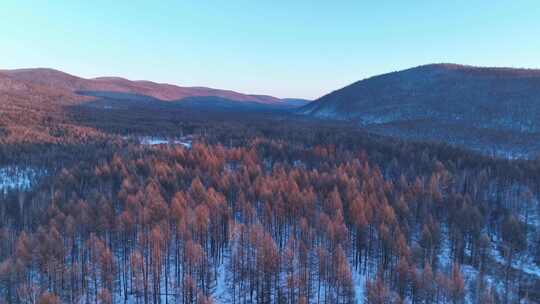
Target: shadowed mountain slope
x=35, y=103
x=457, y=104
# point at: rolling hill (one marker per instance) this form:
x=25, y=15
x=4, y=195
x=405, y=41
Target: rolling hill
x=36, y=103
x=103, y=85
x=492, y=110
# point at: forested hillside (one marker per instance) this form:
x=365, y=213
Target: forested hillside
x=209, y=207
x=495, y=111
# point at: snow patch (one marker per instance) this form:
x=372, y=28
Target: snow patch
x=17, y=178
x=152, y=141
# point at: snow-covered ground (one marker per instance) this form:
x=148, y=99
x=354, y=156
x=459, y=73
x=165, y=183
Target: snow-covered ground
x=17, y=178
x=151, y=141
x=159, y=140
x=359, y=285
x=221, y=293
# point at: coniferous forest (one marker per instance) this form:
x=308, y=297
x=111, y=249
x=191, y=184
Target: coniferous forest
x=269, y=152
x=128, y=206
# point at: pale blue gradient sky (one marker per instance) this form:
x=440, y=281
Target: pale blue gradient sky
x=281, y=48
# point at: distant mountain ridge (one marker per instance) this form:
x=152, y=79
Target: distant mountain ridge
x=434, y=83
x=167, y=92
x=458, y=104
x=50, y=106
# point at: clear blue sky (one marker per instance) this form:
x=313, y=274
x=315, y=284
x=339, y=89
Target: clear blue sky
x=281, y=48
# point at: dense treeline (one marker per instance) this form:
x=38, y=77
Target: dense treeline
x=262, y=211
x=268, y=221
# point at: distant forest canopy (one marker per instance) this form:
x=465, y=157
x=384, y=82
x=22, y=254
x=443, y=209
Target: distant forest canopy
x=143, y=204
